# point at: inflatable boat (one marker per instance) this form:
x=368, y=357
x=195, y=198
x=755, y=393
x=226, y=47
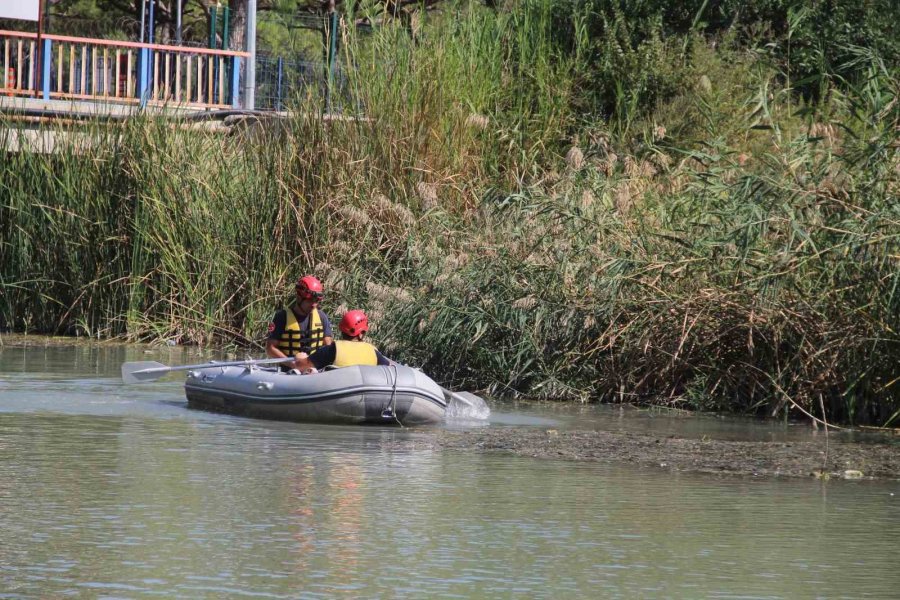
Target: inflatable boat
x=384, y=395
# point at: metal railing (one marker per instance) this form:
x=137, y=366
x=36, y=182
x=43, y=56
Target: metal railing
x=65, y=67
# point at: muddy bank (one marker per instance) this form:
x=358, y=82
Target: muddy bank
x=826, y=458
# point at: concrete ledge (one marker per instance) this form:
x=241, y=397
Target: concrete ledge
x=79, y=108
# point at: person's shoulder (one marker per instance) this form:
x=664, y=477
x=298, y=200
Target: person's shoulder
x=278, y=322
x=326, y=322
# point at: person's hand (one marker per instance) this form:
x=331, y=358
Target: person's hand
x=298, y=361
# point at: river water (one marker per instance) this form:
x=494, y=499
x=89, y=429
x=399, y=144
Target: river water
x=114, y=491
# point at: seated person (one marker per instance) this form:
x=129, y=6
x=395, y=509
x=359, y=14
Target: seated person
x=302, y=327
x=349, y=351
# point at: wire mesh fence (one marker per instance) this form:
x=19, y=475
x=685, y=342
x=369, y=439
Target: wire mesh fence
x=282, y=82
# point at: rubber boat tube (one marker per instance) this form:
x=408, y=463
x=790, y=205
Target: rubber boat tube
x=349, y=395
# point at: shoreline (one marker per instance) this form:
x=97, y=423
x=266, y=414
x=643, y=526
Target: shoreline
x=827, y=458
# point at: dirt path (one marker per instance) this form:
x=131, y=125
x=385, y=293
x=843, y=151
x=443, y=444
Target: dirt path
x=826, y=458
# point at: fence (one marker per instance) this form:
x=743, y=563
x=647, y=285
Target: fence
x=64, y=67
x=280, y=82
x=76, y=68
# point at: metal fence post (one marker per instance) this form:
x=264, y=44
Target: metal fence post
x=225, y=17
x=46, y=63
x=278, y=104
x=250, y=76
x=213, y=27
x=332, y=50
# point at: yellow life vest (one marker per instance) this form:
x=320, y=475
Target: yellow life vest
x=347, y=354
x=293, y=341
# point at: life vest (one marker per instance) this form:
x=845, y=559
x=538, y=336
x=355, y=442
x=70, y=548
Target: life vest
x=294, y=340
x=347, y=354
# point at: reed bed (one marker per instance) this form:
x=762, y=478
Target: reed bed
x=727, y=246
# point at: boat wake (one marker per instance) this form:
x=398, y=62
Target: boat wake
x=464, y=405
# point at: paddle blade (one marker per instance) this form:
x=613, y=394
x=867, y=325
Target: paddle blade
x=471, y=398
x=468, y=406
x=140, y=372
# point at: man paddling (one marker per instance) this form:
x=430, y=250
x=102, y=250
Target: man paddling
x=347, y=352
x=301, y=328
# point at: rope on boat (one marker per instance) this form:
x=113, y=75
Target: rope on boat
x=393, y=404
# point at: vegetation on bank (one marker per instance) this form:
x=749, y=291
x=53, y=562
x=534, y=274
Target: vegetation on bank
x=556, y=199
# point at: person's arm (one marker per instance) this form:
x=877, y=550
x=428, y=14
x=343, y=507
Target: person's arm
x=327, y=332
x=302, y=362
x=383, y=360
x=319, y=359
x=276, y=328
x=273, y=351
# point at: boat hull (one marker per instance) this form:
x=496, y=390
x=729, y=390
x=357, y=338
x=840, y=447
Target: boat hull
x=351, y=395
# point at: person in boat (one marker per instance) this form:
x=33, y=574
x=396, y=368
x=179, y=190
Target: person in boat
x=301, y=328
x=347, y=352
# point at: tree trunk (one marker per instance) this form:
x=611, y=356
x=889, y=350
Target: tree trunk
x=238, y=26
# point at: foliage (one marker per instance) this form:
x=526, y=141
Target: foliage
x=729, y=245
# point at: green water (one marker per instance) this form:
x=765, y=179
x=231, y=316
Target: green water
x=108, y=491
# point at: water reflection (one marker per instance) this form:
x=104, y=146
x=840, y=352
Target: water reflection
x=122, y=492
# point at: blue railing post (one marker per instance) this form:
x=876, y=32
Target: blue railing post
x=144, y=76
x=236, y=81
x=47, y=62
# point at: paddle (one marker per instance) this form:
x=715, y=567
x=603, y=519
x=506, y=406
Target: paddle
x=475, y=405
x=462, y=397
x=140, y=372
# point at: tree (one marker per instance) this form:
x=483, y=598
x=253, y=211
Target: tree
x=121, y=19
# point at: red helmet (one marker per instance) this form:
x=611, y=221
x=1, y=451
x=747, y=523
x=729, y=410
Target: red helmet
x=310, y=288
x=354, y=323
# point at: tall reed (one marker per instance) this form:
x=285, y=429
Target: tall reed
x=731, y=248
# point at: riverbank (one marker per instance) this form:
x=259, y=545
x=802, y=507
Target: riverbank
x=857, y=454
x=831, y=457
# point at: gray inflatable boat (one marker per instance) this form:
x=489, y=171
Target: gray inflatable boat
x=350, y=395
